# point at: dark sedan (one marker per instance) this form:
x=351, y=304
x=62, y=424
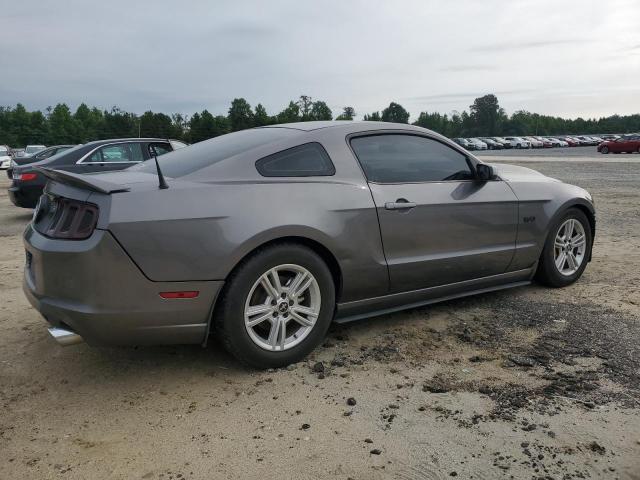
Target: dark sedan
x=42, y=154
x=98, y=156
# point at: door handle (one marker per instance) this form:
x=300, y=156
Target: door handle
x=400, y=204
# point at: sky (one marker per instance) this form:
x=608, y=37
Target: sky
x=558, y=57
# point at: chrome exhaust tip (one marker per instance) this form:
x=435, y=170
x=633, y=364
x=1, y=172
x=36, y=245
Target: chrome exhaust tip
x=65, y=337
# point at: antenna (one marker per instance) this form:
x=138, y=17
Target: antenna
x=162, y=184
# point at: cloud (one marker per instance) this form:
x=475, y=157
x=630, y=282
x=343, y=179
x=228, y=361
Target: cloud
x=525, y=45
x=185, y=58
x=469, y=68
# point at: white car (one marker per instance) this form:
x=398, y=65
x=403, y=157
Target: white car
x=480, y=145
x=557, y=142
x=5, y=158
x=517, y=142
x=31, y=149
x=535, y=143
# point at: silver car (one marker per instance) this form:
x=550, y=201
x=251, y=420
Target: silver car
x=264, y=237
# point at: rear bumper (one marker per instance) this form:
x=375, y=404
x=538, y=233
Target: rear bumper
x=93, y=289
x=25, y=196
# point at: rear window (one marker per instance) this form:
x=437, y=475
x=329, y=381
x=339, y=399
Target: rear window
x=204, y=154
x=308, y=160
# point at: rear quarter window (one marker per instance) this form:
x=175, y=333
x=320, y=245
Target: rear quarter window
x=308, y=160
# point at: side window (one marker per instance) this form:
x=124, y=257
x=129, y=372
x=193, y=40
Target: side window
x=159, y=149
x=308, y=160
x=123, y=152
x=397, y=158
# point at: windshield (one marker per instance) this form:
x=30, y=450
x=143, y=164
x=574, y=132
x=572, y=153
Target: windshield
x=34, y=148
x=203, y=154
x=3, y=152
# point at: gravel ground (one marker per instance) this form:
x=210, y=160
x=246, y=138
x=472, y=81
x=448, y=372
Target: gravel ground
x=528, y=383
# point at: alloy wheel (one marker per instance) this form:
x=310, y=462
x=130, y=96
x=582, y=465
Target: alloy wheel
x=569, y=247
x=282, y=307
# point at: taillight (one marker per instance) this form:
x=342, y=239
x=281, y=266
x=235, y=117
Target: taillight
x=25, y=177
x=68, y=219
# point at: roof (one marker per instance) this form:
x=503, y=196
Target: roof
x=346, y=124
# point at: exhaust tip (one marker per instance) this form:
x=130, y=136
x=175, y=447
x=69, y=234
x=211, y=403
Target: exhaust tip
x=65, y=337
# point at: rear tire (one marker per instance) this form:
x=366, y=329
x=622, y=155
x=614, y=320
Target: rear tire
x=294, y=323
x=553, y=270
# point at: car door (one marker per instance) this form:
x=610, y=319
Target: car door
x=110, y=157
x=439, y=225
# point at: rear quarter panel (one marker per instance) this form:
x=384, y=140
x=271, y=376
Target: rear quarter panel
x=200, y=230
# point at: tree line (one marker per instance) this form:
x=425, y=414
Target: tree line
x=59, y=125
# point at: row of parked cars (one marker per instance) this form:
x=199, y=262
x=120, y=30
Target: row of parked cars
x=99, y=156
x=499, y=143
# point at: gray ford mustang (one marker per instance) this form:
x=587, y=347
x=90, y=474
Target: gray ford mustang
x=263, y=237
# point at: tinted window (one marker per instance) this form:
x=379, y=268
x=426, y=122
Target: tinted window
x=204, y=154
x=159, y=149
x=309, y=160
x=409, y=158
x=122, y=152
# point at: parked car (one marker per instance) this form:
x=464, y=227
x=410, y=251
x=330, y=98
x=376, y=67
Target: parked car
x=571, y=142
x=505, y=143
x=32, y=149
x=17, y=152
x=546, y=143
x=265, y=236
x=5, y=157
x=534, y=142
x=556, y=142
x=42, y=154
x=492, y=144
x=480, y=145
x=99, y=156
x=464, y=143
x=625, y=144
x=517, y=142
x=587, y=140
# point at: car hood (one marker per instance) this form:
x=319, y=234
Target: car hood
x=514, y=173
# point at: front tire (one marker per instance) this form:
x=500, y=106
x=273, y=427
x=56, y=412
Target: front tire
x=276, y=306
x=604, y=150
x=566, y=251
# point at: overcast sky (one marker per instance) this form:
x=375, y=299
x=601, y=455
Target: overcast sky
x=569, y=57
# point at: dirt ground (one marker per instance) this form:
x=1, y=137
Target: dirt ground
x=527, y=383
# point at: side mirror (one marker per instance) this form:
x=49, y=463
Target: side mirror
x=484, y=172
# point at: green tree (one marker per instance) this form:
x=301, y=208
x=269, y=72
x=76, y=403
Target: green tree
x=306, y=104
x=203, y=126
x=395, y=113
x=320, y=111
x=240, y=115
x=260, y=116
x=486, y=116
x=348, y=113
x=290, y=114
x=62, y=127
x=373, y=117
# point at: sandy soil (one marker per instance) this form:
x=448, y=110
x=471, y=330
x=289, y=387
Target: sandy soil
x=527, y=383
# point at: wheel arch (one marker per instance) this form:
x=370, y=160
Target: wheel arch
x=321, y=250
x=586, y=208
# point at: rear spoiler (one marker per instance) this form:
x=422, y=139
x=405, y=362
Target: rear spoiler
x=88, y=182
